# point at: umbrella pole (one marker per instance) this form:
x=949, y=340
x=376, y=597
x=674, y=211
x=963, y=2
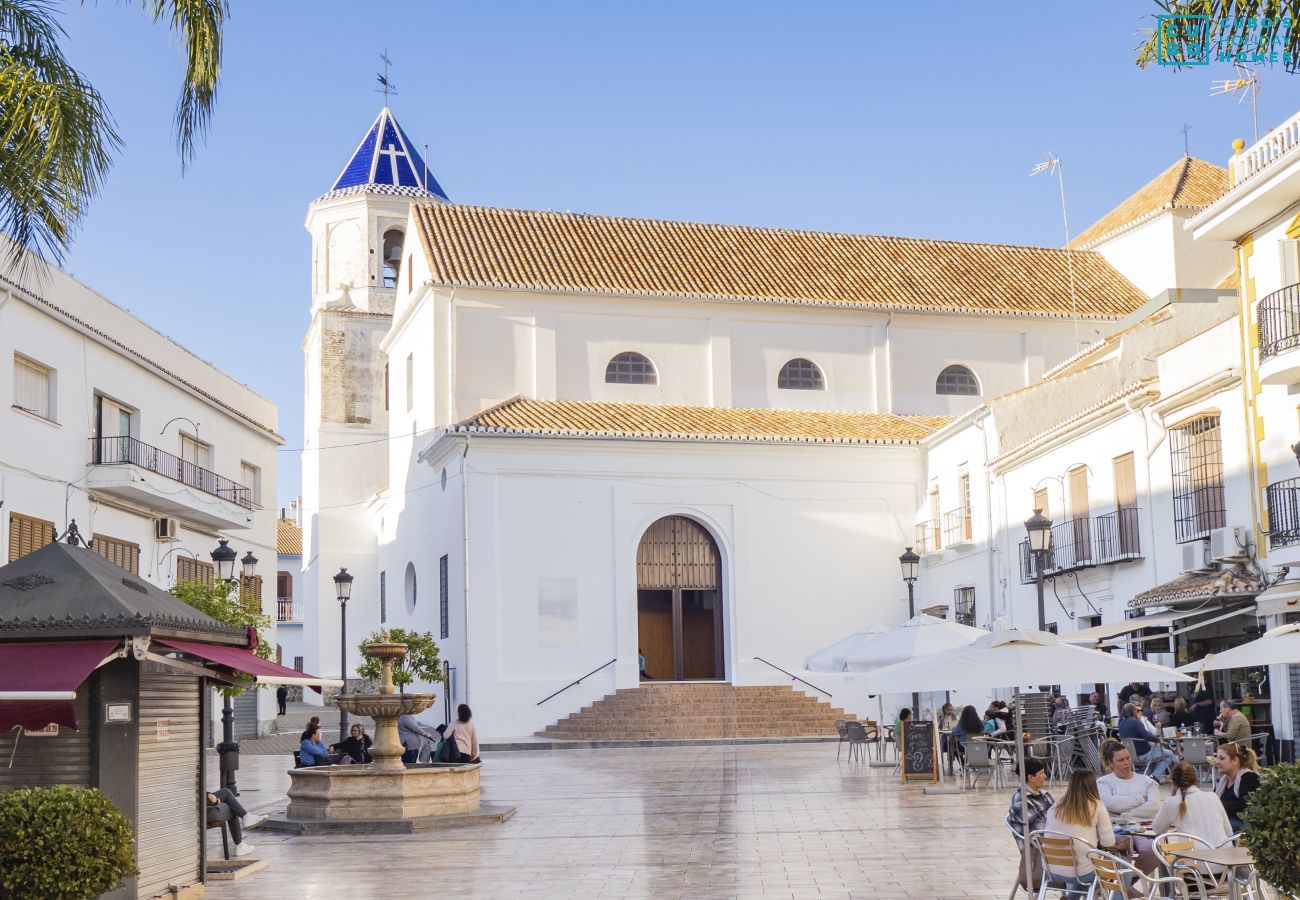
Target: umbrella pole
x=1024, y=791
x=942, y=787
x=880, y=762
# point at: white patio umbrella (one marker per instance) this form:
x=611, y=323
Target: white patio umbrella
x=824, y=659
x=1280, y=646
x=1014, y=658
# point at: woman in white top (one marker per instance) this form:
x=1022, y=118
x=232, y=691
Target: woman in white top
x=1192, y=810
x=1080, y=814
x=1125, y=792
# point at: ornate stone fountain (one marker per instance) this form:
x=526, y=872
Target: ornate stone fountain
x=386, y=795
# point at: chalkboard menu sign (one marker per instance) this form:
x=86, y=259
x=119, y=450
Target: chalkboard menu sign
x=920, y=756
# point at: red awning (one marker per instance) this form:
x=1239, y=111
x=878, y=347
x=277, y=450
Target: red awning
x=237, y=659
x=39, y=680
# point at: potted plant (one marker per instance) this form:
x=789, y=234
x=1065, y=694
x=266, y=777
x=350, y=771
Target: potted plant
x=63, y=843
x=1272, y=831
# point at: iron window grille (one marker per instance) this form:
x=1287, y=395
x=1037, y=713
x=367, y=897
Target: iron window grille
x=1284, y=513
x=1196, y=455
x=801, y=375
x=444, y=626
x=957, y=381
x=630, y=368
x=963, y=605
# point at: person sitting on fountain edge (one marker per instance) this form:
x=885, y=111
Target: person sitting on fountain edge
x=356, y=745
x=312, y=752
x=465, y=736
x=413, y=735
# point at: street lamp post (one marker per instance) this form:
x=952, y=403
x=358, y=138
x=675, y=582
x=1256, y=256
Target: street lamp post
x=223, y=559
x=1039, y=528
x=343, y=590
x=910, y=563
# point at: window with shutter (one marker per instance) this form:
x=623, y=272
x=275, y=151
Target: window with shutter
x=32, y=388
x=1290, y=262
x=27, y=533
x=124, y=553
x=189, y=569
x=250, y=592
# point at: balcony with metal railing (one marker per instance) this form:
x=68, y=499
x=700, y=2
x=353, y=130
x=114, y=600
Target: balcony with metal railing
x=956, y=527
x=1277, y=317
x=929, y=537
x=132, y=470
x=288, y=612
x=1086, y=541
x=1283, y=499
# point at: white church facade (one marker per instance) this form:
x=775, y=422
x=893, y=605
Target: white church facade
x=566, y=442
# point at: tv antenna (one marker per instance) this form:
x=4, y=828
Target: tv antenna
x=386, y=87
x=1052, y=165
x=1246, y=84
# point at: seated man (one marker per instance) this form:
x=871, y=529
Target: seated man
x=1037, y=802
x=1234, y=727
x=224, y=806
x=1133, y=726
x=1061, y=714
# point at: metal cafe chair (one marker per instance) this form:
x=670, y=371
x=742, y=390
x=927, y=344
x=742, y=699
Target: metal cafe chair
x=1056, y=851
x=1166, y=848
x=1131, y=746
x=979, y=758
x=1116, y=877
x=843, y=732
x=857, y=738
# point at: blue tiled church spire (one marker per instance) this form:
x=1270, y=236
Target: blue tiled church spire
x=387, y=162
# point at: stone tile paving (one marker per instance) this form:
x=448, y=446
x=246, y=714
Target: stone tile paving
x=769, y=821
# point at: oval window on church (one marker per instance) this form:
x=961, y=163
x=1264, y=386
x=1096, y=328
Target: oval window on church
x=410, y=587
x=630, y=368
x=957, y=381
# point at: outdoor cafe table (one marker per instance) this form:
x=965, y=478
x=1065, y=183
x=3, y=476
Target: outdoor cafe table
x=1231, y=858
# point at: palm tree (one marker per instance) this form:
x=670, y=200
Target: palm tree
x=1232, y=25
x=57, y=138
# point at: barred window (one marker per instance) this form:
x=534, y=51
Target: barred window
x=383, y=598
x=630, y=368
x=443, y=598
x=125, y=553
x=1196, y=455
x=190, y=569
x=957, y=381
x=801, y=375
x=963, y=604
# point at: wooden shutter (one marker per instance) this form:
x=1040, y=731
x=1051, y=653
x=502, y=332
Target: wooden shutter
x=1078, y=492
x=1125, y=482
x=27, y=533
x=124, y=553
x=250, y=592
x=1290, y=251
x=189, y=569
x=1040, y=501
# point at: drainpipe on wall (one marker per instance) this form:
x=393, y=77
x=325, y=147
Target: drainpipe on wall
x=464, y=504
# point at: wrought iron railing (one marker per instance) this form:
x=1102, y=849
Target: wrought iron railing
x=929, y=537
x=956, y=526
x=1283, y=512
x=1084, y=541
x=116, y=451
x=1278, y=315
x=287, y=611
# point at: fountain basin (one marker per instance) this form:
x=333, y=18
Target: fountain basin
x=368, y=793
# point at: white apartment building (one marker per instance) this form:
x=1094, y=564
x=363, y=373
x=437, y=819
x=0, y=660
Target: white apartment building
x=154, y=453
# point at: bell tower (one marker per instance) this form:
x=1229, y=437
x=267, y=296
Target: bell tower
x=358, y=231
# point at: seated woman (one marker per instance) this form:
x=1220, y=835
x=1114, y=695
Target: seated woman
x=904, y=715
x=1238, y=778
x=312, y=752
x=1192, y=810
x=463, y=736
x=1181, y=717
x=1080, y=814
x=968, y=726
x=356, y=745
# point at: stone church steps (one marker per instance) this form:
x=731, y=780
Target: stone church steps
x=698, y=711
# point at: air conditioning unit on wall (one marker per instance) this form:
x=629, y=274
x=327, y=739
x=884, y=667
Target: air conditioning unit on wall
x=1229, y=544
x=165, y=529
x=1196, y=557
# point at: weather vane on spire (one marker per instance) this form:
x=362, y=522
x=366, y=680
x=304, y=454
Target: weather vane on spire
x=386, y=87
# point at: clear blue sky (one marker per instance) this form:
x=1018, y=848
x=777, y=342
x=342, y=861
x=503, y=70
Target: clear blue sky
x=835, y=116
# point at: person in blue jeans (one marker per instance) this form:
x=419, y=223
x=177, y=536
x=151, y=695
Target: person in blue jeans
x=1132, y=726
x=311, y=752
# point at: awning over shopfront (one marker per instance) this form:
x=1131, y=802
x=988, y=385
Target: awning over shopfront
x=1124, y=626
x=237, y=659
x=1192, y=587
x=39, y=680
x=1279, y=600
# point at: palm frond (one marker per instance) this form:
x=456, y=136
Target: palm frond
x=1246, y=26
x=56, y=135
x=199, y=23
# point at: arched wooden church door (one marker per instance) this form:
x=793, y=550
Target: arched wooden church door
x=679, y=601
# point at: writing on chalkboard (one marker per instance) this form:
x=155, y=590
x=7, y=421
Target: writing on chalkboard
x=920, y=756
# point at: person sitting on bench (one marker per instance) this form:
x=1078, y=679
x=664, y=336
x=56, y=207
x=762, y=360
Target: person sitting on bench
x=224, y=806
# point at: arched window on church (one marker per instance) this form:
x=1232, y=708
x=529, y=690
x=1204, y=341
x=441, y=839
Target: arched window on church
x=630, y=368
x=957, y=381
x=392, y=261
x=801, y=375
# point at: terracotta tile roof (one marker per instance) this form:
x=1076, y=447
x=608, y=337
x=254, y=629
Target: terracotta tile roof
x=1189, y=183
x=521, y=416
x=288, y=538
x=549, y=251
x=1231, y=582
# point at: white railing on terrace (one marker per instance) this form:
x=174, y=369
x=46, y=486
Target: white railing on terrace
x=287, y=611
x=1266, y=151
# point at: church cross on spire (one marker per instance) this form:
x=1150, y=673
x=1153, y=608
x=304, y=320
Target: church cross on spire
x=386, y=87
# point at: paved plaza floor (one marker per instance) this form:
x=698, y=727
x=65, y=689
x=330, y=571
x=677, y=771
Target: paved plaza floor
x=751, y=821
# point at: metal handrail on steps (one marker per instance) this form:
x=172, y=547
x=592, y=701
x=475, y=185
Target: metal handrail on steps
x=579, y=681
x=794, y=676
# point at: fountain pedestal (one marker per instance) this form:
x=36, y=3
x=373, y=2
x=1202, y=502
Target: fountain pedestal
x=385, y=795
